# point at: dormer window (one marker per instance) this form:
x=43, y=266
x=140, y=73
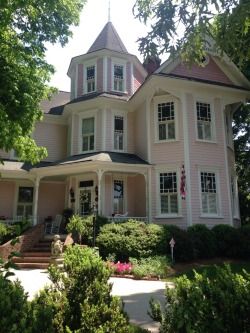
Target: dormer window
x=118, y=79
x=90, y=79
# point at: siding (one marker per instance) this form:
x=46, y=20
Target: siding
x=54, y=138
x=211, y=155
x=128, y=78
x=108, y=209
x=80, y=80
x=7, y=198
x=51, y=199
x=131, y=132
x=100, y=74
x=210, y=72
x=99, y=130
x=141, y=132
x=140, y=196
x=109, y=134
x=76, y=135
x=109, y=85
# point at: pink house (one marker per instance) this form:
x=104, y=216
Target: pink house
x=152, y=146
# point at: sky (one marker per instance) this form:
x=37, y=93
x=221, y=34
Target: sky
x=92, y=20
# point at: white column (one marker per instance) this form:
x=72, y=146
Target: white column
x=147, y=189
x=35, y=200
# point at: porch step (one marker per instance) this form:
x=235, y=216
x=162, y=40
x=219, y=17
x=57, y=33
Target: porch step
x=33, y=265
x=31, y=259
x=36, y=254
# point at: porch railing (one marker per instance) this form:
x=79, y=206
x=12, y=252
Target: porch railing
x=118, y=219
x=9, y=221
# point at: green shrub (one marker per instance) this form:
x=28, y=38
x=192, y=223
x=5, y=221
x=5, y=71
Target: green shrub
x=244, y=242
x=207, y=305
x=227, y=240
x=183, y=249
x=150, y=267
x=203, y=240
x=80, y=300
x=83, y=227
x=14, y=307
x=131, y=239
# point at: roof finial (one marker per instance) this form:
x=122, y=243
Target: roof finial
x=109, y=13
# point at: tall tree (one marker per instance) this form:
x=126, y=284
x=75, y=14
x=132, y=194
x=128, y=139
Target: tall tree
x=182, y=27
x=25, y=28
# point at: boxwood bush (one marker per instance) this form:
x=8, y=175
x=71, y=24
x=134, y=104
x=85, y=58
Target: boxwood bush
x=227, y=240
x=131, y=239
x=220, y=304
x=203, y=241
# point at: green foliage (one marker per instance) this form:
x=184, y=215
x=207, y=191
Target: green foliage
x=220, y=304
x=83, y=226
x=25, y=28
x=203, y=240
x=4, y=232
x=14, y=307
x=137, y=329
x=183, y=249
x=227, y=240
x=156, y=266
x=130, y=239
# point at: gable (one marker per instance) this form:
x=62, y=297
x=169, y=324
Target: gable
x=211, y=72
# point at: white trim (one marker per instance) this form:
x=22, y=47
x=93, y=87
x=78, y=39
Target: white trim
x=149, y=128
x=85, y=177
x=76, y=81
x=132, y=78
x=22, y=183
x=187, y=163
x=123, y=114
x=85, y=115
x=124, y=178
x=167, y=169
x=210, y=101
x=87, y=64
x=105, y=73
x=123, y=63
x=214, y=170
x=104, y=128
x=166, y=99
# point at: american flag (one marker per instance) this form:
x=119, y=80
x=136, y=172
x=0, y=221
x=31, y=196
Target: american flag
x=183, y=183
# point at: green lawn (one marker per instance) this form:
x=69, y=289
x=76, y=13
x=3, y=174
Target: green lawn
x=208, y=266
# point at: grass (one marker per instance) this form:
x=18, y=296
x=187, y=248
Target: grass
x=206, y=265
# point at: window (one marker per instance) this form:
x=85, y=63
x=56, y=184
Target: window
x=204, y=121
x=119, y=78
x=166, y=121
x=209, y=193
x=168, y=193
x=118, y=133
x=25, y=201
x=90, y=78
x=118, y=196
x=88, y=134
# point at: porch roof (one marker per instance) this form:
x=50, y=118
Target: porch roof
x=103, y=156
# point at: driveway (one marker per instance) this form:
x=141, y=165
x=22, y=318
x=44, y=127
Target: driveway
x=134, y=293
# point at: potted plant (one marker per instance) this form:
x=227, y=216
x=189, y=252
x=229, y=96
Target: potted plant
x=82, y=226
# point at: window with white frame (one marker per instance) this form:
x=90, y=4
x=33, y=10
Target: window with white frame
x=118, y=133
x=168, y=193
x=25, y=201
x=209, y=194
x=204, y=121
x=118, y=196
x=118, y=78
x=166, y=121
x=88, y=134
x=90, y=79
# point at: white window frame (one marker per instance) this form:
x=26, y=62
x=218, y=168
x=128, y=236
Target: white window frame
x=215, y=171
x=124, y=179
x=17, y=186
x=122, y=63
x=211, y=103
x=119, y=113
x=168, y=169
x=87, y=65
x=86, y=115
x=161, y=100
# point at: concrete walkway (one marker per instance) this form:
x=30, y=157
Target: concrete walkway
x=134, y=293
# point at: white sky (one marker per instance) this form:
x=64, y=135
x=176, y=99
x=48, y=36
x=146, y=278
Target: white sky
x=93, y=18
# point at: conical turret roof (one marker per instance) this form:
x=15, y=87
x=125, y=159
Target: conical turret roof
x=108, y=39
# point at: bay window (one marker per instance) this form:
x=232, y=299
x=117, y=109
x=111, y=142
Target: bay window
x=88, y=134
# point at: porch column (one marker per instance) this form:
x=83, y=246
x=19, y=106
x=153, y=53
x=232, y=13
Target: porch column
x=99, y=178
x=146, y=177
x=35, y=199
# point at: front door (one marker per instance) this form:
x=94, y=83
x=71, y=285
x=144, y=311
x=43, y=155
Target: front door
x=85, y=205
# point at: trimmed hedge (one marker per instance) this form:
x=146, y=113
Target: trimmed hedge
x=131, y=239
x=203, y=241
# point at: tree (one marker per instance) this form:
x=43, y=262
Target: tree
x=25, y=28
x=186, y=28
x=177, y=26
